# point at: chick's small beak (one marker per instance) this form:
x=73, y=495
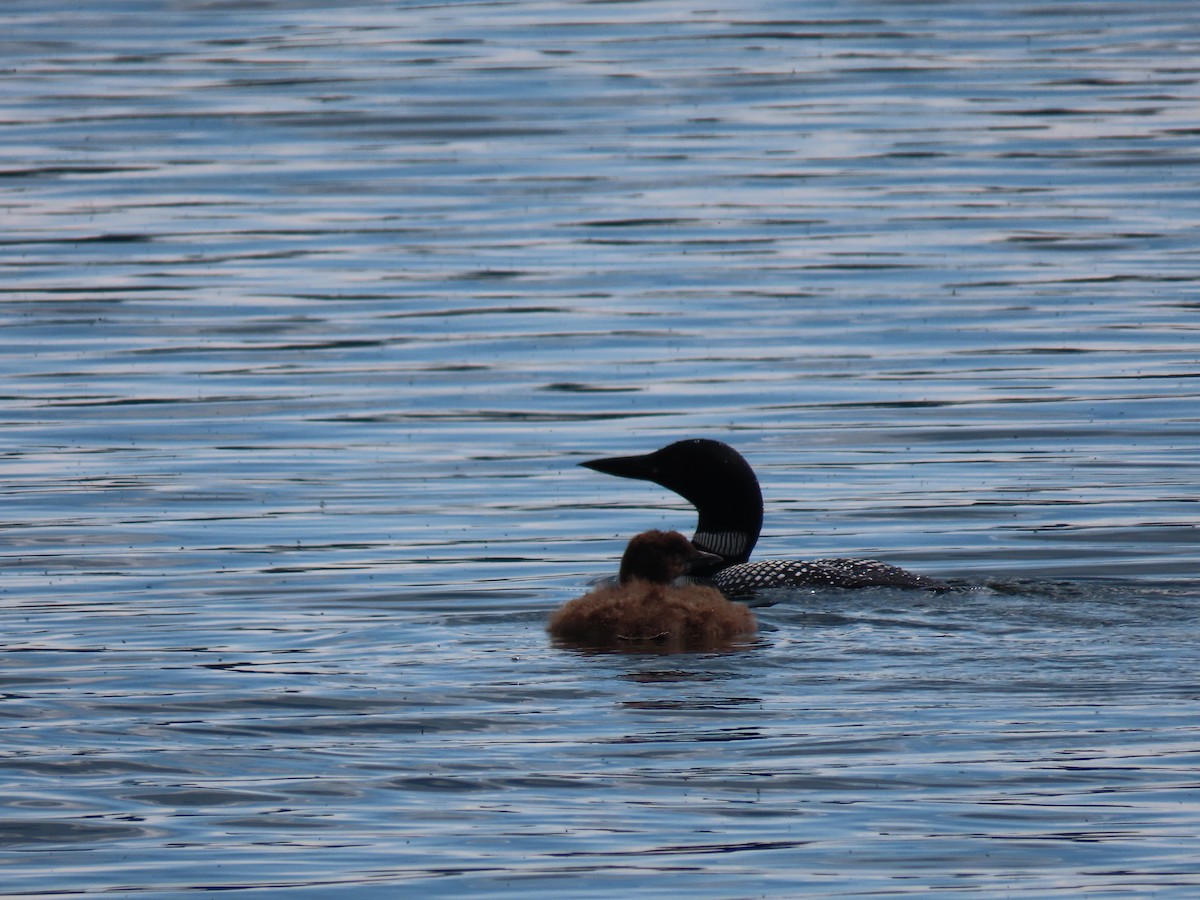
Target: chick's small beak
x=702, y=556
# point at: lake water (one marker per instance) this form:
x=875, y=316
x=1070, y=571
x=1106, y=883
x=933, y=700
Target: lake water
x=309, y=312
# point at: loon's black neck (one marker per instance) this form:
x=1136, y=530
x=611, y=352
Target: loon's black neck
x=717, y=480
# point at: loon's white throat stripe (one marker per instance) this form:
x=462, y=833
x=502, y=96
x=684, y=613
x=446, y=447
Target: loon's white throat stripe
x=724, y=543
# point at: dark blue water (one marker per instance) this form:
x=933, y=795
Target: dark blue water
x=307, y=316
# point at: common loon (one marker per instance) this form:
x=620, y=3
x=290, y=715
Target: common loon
x=644, y=609
x=718, y=481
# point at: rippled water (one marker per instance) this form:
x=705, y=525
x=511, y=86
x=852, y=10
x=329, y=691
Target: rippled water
x=308, y=314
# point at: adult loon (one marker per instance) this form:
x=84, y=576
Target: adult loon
x=644, y=609
x=718, y=481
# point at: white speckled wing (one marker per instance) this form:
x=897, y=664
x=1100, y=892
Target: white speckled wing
x=843, y=573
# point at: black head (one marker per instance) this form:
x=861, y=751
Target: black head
x=661, y=557
x=714, y=477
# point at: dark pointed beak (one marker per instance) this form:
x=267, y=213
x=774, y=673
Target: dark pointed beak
x=702, y=557
x=639, y=467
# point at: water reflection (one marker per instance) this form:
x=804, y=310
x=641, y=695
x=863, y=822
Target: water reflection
x=308, y=315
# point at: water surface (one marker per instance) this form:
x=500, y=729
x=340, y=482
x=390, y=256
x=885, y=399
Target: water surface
x=308, y=315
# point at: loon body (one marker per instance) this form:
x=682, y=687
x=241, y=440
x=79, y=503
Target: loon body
x=718, y=481
x=646, y=609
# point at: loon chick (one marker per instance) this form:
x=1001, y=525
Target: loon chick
x=644, y=608
x=718, y=481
